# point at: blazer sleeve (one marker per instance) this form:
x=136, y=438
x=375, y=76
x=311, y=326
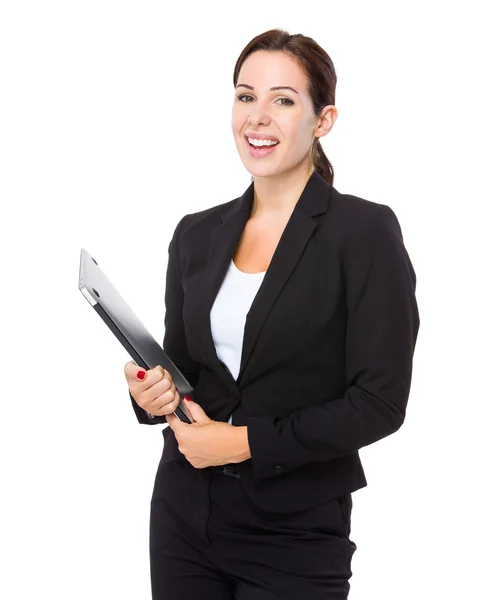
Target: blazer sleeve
x=382, y=328
x=174, y=341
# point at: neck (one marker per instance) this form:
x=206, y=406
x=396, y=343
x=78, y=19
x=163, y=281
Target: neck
x=277, y=195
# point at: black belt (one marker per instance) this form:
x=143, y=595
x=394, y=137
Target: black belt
x=227, y=470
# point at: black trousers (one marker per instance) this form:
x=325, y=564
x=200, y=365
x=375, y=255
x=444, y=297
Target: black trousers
x=209, y=540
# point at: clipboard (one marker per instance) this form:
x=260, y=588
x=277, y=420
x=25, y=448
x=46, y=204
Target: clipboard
x=129, y=330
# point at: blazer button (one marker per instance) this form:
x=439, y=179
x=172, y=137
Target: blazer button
x=234, y=394
x=278, y=469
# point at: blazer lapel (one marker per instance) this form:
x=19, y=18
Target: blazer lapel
x=223, y=242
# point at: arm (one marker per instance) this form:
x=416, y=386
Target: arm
x=174, y=342
x=242, y=451
x=382, y=328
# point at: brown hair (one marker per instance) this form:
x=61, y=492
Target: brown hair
x=319, y=70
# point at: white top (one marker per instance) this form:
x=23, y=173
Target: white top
x=228, y=315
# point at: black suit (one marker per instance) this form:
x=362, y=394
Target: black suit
x=328, y=345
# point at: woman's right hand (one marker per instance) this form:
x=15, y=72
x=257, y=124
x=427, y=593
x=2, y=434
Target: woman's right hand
x=156, y=392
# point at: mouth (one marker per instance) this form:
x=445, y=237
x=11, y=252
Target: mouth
x=259, y=151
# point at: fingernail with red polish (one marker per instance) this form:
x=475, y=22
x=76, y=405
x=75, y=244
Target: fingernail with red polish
x=188, y=398
x=141, y=374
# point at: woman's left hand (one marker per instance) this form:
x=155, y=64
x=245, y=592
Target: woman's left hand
x=204, y=443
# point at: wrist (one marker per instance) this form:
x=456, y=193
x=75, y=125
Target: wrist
x=242, y=449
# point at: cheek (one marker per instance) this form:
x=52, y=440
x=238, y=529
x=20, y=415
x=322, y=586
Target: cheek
x=298, y=142
x=237, y=127
x=238, y=118
x=295, y=130
x=238, y=139
x=237, y=130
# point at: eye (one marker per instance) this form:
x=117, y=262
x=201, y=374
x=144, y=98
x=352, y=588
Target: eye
x=241, y=96
x=249, y=96
x=288, y=100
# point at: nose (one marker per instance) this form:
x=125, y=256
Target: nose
x=258, y=118
x=258, y=114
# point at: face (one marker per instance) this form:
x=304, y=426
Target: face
x=287, y=115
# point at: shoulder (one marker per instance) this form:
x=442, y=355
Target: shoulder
x=351, y=217
x=205, y=218
x=199, y=223
x=357, y=211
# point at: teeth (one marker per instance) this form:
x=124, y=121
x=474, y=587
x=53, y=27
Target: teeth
x=255, y=142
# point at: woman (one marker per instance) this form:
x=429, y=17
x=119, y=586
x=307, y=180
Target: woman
x=291, y=310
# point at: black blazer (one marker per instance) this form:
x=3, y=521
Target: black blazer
x=328, y=344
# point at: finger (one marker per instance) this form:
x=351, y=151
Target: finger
x=165, y=373
x=168, y=407
x=154, y=388
x=172, y=421
x=133, y=373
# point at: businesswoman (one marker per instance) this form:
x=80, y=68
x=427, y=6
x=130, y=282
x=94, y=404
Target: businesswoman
x=291, y=310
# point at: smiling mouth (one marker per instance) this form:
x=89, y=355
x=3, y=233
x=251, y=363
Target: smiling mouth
x=260, y=147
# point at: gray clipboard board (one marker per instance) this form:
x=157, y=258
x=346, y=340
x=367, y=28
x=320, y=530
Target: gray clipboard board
x=129, y=330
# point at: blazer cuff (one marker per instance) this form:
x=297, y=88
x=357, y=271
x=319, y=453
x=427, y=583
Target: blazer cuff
x=270, y=451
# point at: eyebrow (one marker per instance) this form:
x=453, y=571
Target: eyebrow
x=275, y=87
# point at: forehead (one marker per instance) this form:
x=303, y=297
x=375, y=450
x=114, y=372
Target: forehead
x=263, y=69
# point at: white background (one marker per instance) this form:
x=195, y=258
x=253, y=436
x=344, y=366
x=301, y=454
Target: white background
x=115, y=122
